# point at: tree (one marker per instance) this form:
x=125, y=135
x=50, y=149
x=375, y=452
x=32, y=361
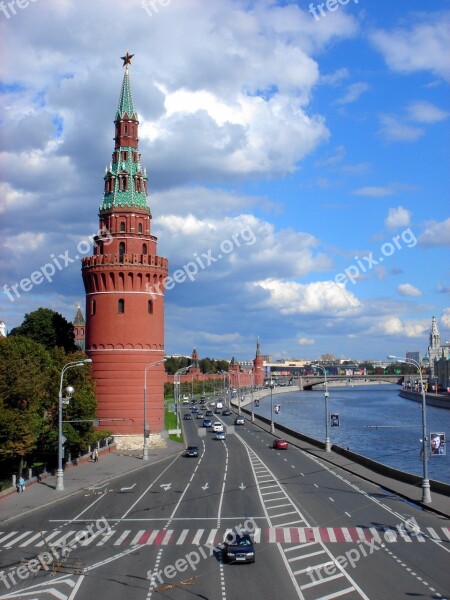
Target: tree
x=27, y=381
x=48, y=328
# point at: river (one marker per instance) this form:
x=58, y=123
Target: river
x=362, y=406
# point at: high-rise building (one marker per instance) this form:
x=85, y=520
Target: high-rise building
x=124, y=283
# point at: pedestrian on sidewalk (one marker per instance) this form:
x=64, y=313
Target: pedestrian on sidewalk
x=21, y=485
x=95, y=455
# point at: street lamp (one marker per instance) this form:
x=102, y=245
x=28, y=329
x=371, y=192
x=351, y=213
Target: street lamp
x=60, y=472
x=326, y=394
x=272, y=424
x=426, y=495
x=147, y=429
x=176, y=389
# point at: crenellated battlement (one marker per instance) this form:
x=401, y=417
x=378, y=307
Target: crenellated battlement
x=146, y=260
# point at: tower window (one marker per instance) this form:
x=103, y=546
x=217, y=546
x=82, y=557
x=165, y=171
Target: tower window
x=150, y=307
x=93, y=307
x=121, y=306
x=125, y=155
x=75, y=331
x=125, y=129
x=122, y=226
x=81, y=331
x=140, y=228
x=144, y=248
x=121, y=251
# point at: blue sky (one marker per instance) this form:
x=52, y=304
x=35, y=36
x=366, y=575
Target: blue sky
x=306, y=149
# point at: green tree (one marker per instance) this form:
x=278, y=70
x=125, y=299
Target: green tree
x=27, y=380
x=48, y=328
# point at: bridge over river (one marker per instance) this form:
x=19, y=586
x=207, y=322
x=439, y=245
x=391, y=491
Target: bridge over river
x=308, y=382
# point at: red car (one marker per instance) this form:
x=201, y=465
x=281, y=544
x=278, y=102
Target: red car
x=280, y=444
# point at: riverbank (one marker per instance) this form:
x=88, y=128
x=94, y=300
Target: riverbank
x=438, y=400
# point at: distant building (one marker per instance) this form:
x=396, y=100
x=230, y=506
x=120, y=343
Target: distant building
x=79, y=329
x=2, y=329
x=436, y=351
x=413, y=356
x=327, y=358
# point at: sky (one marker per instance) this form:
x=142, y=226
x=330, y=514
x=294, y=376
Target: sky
x=297, y=156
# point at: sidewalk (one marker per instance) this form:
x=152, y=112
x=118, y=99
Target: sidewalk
x=87, y=474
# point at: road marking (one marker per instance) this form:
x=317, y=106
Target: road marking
x=205, y=487
x=166, y=486
x=124, y=489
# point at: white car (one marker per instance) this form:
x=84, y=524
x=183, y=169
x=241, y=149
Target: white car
x=217, y=427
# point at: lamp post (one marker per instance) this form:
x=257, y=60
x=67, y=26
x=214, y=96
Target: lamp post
x=426, y=495
x=272, y=424
x=326, y=394
x=60, y=472
x=147, y=430
x=176, y=389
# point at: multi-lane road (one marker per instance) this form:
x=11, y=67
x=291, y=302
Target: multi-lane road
x=320, y=533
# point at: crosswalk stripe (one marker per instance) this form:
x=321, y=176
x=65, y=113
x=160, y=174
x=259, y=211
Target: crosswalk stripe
x=122, y=537
x=282, y=532
x=48, y=538
x=17, y=539
x=37, y=535
x=182, y=537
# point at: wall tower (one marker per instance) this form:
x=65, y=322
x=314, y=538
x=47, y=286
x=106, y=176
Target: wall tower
x=124, y=283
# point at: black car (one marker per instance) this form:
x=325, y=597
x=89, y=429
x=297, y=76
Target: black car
x=192, y=451
x=238, y=547
x=226, y=412
x=187, y=417
x=217, y=411
x=209, y=413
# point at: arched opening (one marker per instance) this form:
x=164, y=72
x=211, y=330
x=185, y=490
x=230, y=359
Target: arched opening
x=122, y=226
x=144, y=248
x=93, y=307
x=140, y=228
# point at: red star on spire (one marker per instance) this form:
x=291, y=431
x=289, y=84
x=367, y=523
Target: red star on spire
x=127, y=59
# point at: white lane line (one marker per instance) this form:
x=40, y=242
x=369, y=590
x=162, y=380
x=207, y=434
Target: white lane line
x=148, y=488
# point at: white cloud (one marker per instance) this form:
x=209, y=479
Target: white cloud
x=398, y=217
x=305, y=341
x=436, y=234
x=23, y=242
x=321, y=297
x=393, y=130
x=425, y=112
x=425, y=46
x=409, y=329
x=407, y=289
x=445, y=318
x=353, y=92
x=374, y=191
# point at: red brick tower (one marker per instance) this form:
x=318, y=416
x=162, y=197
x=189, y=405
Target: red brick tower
x=194, y=371
x=124, y=283
x=258, y=367
x=79, y=329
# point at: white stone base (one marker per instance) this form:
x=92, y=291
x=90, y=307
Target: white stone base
x=135, y=442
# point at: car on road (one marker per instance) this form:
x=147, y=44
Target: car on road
x=217, y=411
x=226, y=412
x=191, y=451
x=207, y=423
x=199, y=415
x=209, y=413
x=217, y=426
x=238, y=547
x=239, y=421
x=195, y=409
x=280, y=444
x=187, y=417
x=220, y=435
